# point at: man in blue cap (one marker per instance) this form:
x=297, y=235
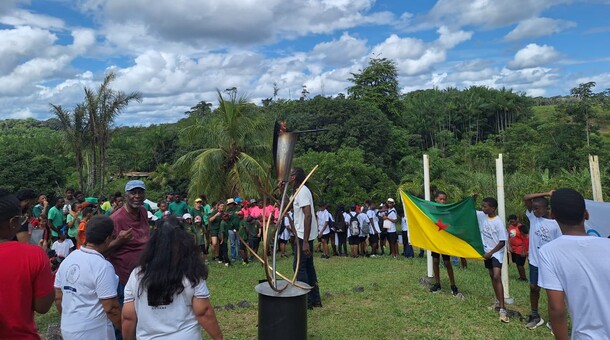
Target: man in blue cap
x=131, y=234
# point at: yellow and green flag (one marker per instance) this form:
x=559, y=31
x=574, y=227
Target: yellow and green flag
x=450, y=229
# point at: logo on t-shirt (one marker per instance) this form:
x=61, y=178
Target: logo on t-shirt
x=73, y=274
x=544, y=235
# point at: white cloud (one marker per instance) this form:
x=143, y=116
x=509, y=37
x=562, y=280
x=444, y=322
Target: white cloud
x=533, y=55
x=538, y=27
x=214, y=24
x=485, y=13
x=536, y=92
x=27, y=18
x=414, y=56
x=602, y=81
x=340, y=52
x=21, y=43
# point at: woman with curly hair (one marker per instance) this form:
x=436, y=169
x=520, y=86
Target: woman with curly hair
x=167, y=296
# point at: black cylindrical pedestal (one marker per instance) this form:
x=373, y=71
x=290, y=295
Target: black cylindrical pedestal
x=282, y=315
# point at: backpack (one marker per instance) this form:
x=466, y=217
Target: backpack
x=331, y=223
x=340, y=225
x=354, y=225
x=366, y=227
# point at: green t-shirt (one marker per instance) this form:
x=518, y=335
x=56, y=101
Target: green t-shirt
x=56, y=217
x=159, y=214
x=252, y=229
x=206, y=212
x=215, y=225
x=197, y=212
x=243, y=230
x=74, y=229
x=179, y=208
x=199, y=232
x=106, y=205
x=224, y=229
x=38, y=210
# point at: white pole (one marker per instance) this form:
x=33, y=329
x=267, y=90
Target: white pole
x=427, y=197
x=502, y=215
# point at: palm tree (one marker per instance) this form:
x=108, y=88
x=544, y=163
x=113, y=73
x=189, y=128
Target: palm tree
x=102, y=107
x=74, y=126
x=232, y=161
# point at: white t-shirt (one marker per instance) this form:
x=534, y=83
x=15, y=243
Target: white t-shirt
x=542, y=231
x=492, y=231
x=323, y=218
x=175, y=321
x=347, y=218
x=404, y=226
x=62, y=249
x=85, y=277
x=303, y=199
x=372, y=214
x=580, y=267
x=285, y=235
x=387, y=223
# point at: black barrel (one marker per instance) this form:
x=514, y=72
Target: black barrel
x=282, y=315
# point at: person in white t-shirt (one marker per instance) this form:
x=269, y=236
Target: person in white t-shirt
x=493, y=235
x=306, y=230
x=575, y=268
x=85, y=287
x=166, y=297
x=374, y=230
x=324, y=219
x=62, y=246
x=542, y=231
x=389, y=223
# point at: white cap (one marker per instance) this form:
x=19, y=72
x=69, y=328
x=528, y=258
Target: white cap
x=186, y=216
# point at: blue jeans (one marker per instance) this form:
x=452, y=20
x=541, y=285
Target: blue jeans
x=234, y=245
x=407, y=248
x=121, y=297
x=307, y=273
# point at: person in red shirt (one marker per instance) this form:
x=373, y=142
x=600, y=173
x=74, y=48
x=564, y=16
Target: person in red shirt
x=27, y=285
x=518, y=244
x=131, y=234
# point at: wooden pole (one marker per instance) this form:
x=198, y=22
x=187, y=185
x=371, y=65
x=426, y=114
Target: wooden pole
x=427, y=197
x=596, y=180
x=502, y=215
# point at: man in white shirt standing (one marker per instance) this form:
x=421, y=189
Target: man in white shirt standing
x=86, y=287
x=324, y=219
x=306, y=229
x=576, y=268
x=542, y=231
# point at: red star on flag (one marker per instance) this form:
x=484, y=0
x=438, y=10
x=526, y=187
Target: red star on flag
x=441, y=225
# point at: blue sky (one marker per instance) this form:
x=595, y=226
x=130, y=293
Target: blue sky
x=179, y=52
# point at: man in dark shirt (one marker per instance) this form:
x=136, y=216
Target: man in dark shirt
x=131, y=234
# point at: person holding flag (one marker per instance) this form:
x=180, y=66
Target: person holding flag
x=450, y=229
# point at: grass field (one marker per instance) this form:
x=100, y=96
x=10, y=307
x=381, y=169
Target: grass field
x=392, y=305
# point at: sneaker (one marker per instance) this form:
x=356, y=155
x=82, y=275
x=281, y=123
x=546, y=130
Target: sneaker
x=503, y=316
x=548, y=324
x=435, y=288
x=534, y=321
x=373, y=255
x=454, y=290
x=227, y=264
